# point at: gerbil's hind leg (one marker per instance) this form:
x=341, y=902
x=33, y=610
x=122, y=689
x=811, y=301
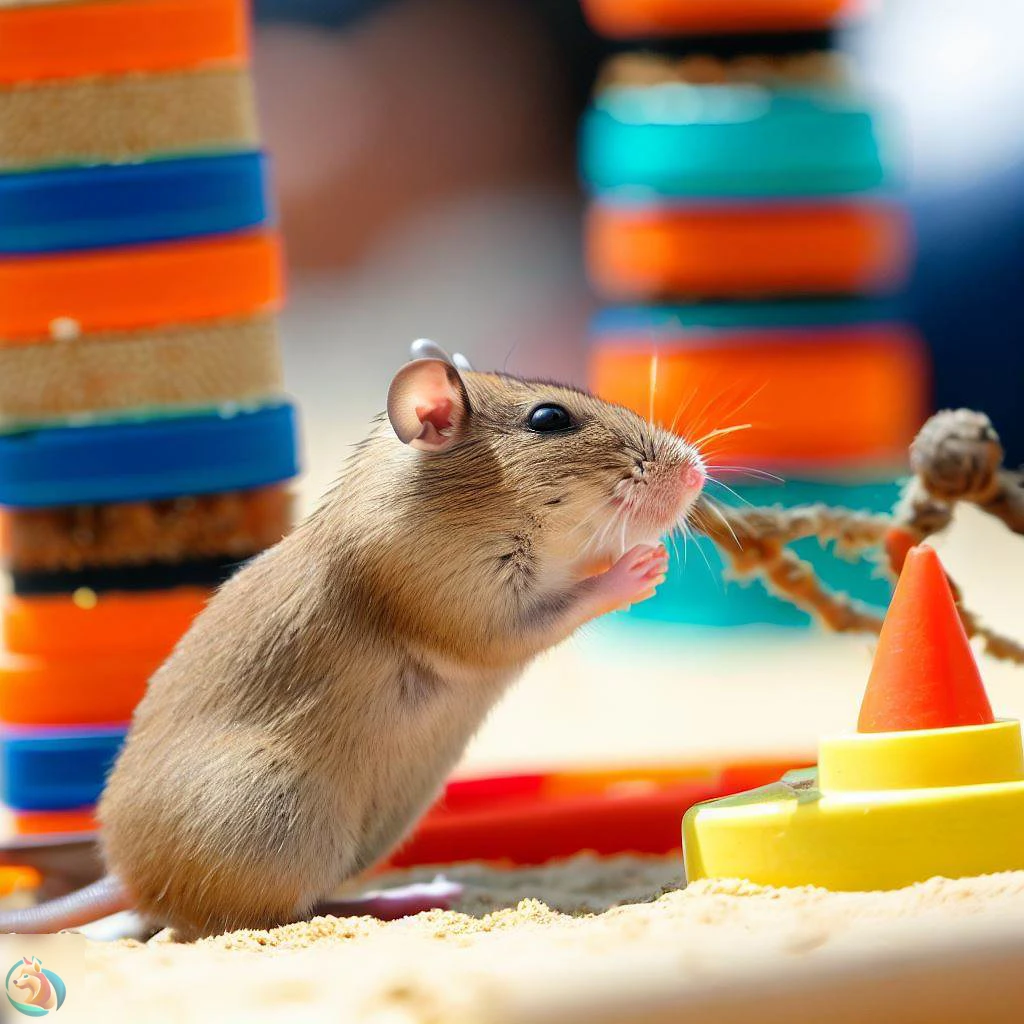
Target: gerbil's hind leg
x=246, y=840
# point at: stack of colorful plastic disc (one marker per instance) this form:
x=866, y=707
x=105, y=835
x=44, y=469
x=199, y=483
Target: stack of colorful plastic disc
x=745, y=219
x=145, y=441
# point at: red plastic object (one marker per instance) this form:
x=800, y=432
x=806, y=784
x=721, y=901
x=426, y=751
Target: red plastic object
x=630, y=19
x=469, y=794
x=531, y=819
x=537, y=832
x=924, y=675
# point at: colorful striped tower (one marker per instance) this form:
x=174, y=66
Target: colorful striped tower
x=145, y=442
x=744, y=224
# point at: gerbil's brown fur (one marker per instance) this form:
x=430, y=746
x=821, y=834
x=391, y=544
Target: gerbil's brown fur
x=313, y=710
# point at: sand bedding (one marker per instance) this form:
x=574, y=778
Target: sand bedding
x=611, y=941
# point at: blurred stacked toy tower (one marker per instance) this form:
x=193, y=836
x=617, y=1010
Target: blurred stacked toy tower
x=742, y=215
x=145, y=444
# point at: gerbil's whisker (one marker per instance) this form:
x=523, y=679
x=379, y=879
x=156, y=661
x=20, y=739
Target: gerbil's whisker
x=725, y=412
x=747, y=400
x=713, y=507
x=608, y=533
x=728, y=406
x=760, y=474
x=688, y=534
x=588, y=522
x=721, y=432
x=699, y=419
x=682, y=407
x=675, y=546
x=684, y=532
x=707, y=561
x=653, y=389
x=584, y=522
x=504, y=365
x=726, y=487
x=597, y=539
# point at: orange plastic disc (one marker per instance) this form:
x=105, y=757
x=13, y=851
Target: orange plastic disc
x=137, y=287
x=744, y=251
x=87, y=625
x=650, y=777
x=626, y=19
x=858, y=395
x=69, y=40
x=34, y=823
x=72, y=691
x=19, y=879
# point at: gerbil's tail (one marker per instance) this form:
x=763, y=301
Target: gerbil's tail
x=102, y=898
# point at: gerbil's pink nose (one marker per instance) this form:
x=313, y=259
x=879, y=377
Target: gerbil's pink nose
x=693, y=477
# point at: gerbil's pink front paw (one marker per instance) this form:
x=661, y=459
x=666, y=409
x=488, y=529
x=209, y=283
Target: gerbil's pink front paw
x=633, y=578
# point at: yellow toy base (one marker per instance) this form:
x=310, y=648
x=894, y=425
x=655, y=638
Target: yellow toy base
x=876, y=836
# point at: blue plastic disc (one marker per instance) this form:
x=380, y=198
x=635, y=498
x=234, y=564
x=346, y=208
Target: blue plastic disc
x=676, y=322
x=162, y=458
x=730, y=141
x=122, y=204
x=695, y=592
x=56, y=769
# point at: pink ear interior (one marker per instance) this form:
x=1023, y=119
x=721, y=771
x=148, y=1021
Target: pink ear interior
x=427, y=404
x=438, y=416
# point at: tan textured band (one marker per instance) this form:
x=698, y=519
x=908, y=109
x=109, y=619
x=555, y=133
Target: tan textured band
x=816, y=68
x=126, y=117
x=184, y=366
x=234, y=524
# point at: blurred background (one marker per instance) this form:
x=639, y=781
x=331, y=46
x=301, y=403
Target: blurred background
x=425, y=163
x=426, y=167
x=779, y=216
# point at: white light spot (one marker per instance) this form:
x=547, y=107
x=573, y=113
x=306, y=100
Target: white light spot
x=65, y=328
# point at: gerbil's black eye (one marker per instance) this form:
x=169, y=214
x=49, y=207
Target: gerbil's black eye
x=548, y=419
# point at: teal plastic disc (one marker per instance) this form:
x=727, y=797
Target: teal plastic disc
x=690, y=141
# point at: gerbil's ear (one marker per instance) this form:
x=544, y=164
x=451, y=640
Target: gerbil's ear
x=427, y=404
x=424, y=348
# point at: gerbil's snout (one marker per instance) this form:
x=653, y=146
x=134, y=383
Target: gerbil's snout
x=693, y=476
x=662, y=485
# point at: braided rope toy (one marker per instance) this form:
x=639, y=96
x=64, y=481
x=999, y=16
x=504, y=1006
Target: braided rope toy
x=956, y=458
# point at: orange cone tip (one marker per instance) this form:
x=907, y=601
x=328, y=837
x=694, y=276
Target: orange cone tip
x=924, y=675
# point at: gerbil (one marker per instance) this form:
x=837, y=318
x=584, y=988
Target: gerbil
x=311, y=713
